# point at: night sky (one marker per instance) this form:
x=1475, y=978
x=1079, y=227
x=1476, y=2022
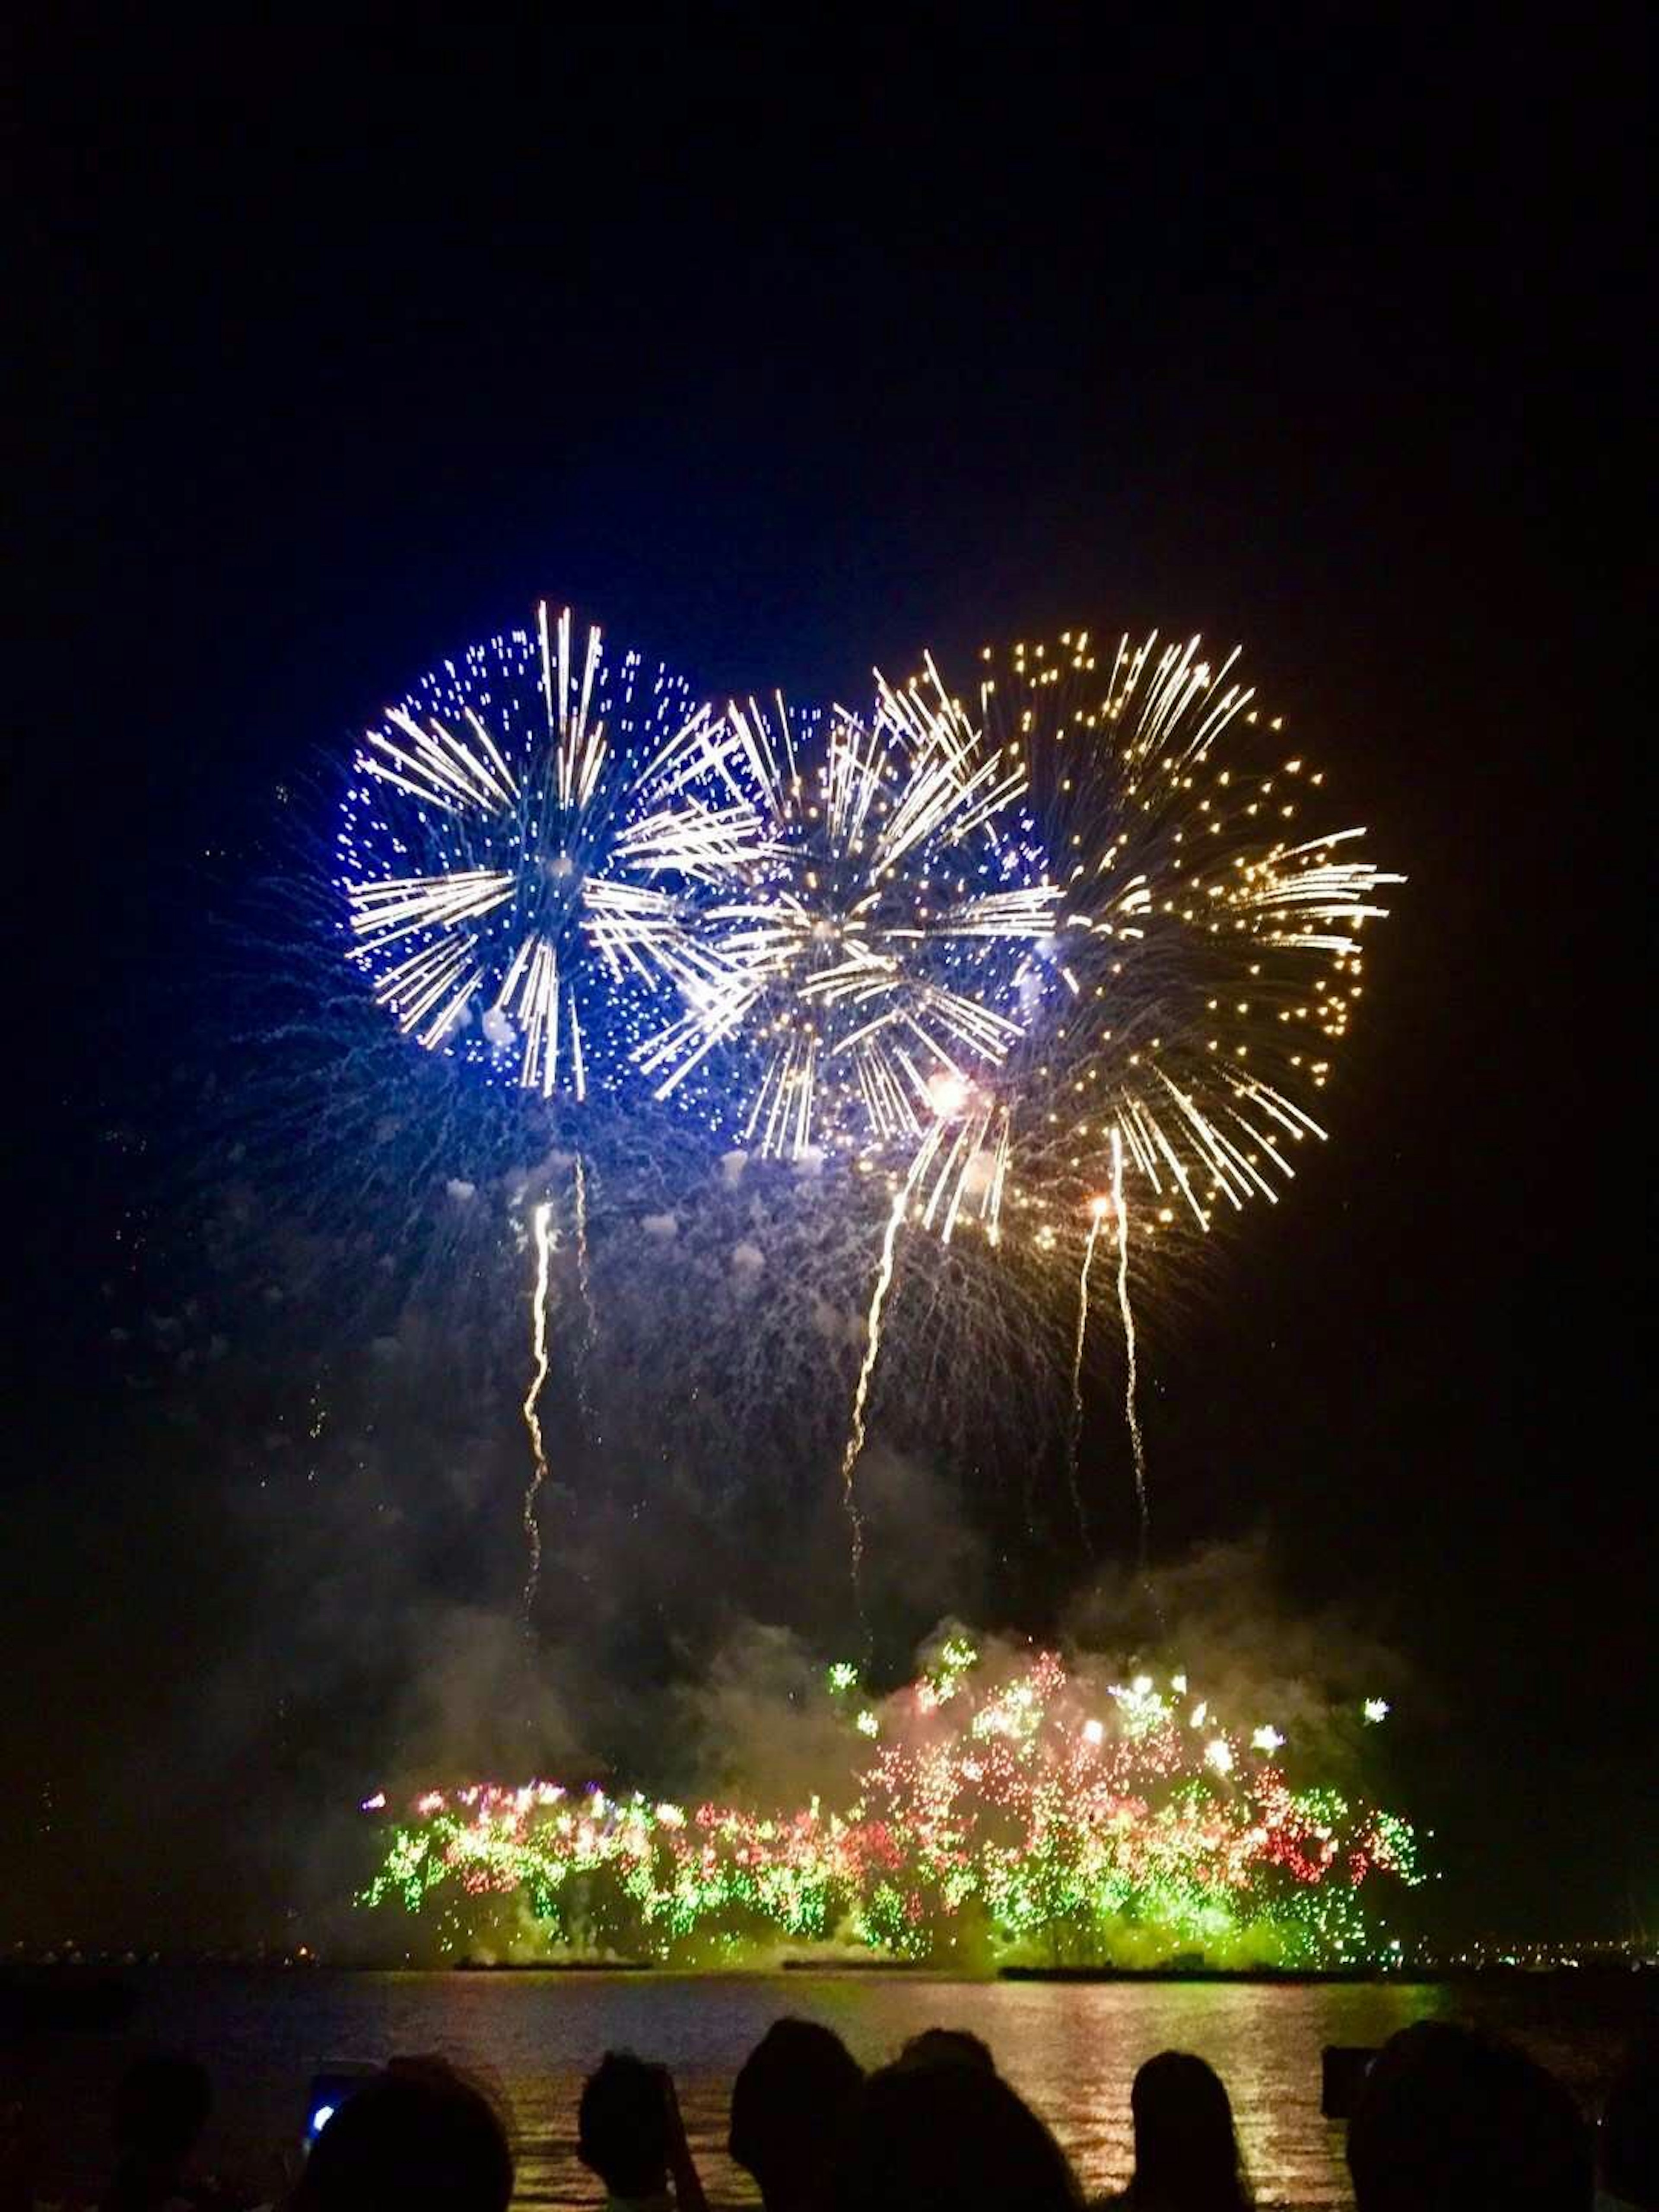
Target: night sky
x=786, y=342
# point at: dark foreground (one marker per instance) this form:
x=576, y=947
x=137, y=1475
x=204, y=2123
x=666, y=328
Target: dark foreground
x=1072, y=2048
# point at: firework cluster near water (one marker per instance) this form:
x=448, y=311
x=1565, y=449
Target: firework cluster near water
x=1025, y=1814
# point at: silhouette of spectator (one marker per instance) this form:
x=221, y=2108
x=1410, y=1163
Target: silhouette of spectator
x=417, y=2138
x=1186, y=2151
x=1629, y=2142
x=950, y=2138
x=947, y=2046
x=162, y=2107
x=20, y=2144
x=1448, y=2118
x=792, y=2103
x=629, y=2131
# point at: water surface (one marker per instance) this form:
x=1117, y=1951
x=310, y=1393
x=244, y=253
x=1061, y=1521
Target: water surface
x=1072, y=2049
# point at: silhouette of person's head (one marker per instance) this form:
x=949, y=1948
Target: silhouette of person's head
x=950, y=2138
x=622, y=2125
x=162, y=2107
x=948, y=2046
x=417, y=2138
x=1629, y=2131
x=1186, y=2151
x=1449, y=2118
x=791, y=2104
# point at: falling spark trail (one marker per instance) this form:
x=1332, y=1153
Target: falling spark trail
x=1075, y=1436
x=585, y=1285
x=1136, y=1441
x=541, y=1217
x=849, y=1458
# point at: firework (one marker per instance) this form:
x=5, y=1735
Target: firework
x=516, y=844
x=1206, y=958
x=857, y=1017
x=1086, y=914
x=1032, y=1814
x=1173, y=1020
x=866, y=979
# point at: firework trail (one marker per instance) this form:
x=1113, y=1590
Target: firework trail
x=1075, y=1435
x=1136, y=1442
x=854, y=1445
x=541, y=1218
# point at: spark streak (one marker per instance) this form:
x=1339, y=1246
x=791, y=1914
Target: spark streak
x=1136, y=1443
x=849, y=1458
x=541, y=1218
x=1098, y=1212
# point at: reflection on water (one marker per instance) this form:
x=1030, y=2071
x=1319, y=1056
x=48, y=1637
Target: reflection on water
x=1071, y=2049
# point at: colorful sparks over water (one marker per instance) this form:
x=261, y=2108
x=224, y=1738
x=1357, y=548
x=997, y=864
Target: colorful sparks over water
x=1038, y=1815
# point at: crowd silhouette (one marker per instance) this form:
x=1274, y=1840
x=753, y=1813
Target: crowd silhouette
x=1446, y=2120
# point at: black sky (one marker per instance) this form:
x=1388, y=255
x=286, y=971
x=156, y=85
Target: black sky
x=790, y=341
